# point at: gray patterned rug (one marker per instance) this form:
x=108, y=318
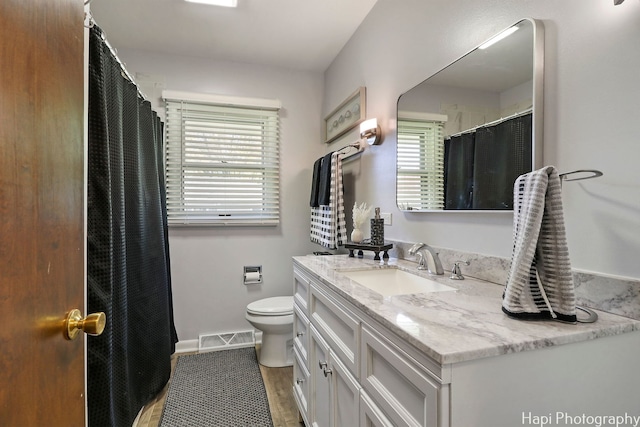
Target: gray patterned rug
x=217, y=389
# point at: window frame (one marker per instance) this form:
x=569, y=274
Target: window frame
x=420, y=161
x=221, y=160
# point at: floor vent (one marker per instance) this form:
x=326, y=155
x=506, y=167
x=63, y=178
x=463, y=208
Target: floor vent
x=225, y=341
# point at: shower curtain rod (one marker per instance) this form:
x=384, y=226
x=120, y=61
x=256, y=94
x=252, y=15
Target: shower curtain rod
x=125, y=73
x=493, y=123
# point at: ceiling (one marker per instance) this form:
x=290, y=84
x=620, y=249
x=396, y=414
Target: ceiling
x=294, y=34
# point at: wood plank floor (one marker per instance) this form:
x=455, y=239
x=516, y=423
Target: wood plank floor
x=278, y=384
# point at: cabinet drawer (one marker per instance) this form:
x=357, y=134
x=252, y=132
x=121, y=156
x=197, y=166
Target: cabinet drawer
x=301, y=334
x=338, y=326
x=301, y=385
x=398, y=385
x=301, y=285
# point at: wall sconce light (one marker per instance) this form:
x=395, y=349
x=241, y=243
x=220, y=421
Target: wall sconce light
x=370, y=130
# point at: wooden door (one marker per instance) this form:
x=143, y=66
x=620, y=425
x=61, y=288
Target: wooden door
x=41, y=211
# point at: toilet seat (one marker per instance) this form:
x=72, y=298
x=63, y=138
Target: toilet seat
x=274, y=306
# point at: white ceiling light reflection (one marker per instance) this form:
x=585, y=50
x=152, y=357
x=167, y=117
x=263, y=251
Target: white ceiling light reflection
x=407, y=324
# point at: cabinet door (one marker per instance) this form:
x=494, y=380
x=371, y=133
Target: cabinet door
x=301, y=285
x=370, y=414
x=301, y=386
x=320, y=404
x=301, y=334
x=397, y=383
x=338, y=326
x=345, y=394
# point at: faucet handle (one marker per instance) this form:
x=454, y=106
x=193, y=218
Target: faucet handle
x=456, y=273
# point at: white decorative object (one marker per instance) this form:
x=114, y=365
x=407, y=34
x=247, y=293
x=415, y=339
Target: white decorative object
x=357, y=235
x=359, y=215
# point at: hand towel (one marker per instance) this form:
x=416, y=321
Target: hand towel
x=315, y=184
x=324, y=184
x=540, y=284
x=328, y=224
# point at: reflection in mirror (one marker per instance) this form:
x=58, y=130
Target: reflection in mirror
x=466, y=133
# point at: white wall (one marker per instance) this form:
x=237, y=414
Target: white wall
x=206, y=263
x=592, y=107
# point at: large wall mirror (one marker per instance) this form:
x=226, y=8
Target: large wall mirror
x=467, y=132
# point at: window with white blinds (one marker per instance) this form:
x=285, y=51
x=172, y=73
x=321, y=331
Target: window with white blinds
x=420, y=175
x=222, y=162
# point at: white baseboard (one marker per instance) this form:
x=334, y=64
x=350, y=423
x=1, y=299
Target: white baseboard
x=187, y=346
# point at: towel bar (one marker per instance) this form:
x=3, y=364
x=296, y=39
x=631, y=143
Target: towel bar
x=593, y=174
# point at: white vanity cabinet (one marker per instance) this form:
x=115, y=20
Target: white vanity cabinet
x=449, y=360
x=301, y=340
x=356, y=376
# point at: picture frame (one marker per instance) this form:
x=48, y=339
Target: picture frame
x=351, y=112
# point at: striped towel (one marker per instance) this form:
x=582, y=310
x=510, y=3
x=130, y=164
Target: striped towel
x=539, y=285
x=328, y=225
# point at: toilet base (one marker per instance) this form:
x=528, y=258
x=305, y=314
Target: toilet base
x=276, y=350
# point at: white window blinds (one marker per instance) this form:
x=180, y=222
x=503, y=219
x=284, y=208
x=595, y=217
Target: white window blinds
x=420, y=180
x=222, y=162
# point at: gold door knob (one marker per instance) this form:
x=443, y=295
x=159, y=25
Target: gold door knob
x=93, y=324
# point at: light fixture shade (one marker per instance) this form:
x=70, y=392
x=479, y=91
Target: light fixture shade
x=370, y=130
x=368, y=125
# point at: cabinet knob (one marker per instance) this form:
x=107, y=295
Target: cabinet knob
x=299, y=334
x=327, y=372
x=299, y=380
x=322, y=365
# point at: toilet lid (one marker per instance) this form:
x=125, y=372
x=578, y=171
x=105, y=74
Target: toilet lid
x=275, y=306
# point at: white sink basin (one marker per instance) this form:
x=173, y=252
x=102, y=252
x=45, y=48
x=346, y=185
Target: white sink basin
x=391, y=281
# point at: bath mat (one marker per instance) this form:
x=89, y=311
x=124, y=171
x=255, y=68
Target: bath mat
x=217, y=389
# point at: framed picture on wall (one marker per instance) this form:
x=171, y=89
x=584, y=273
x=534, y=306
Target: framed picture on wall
x=346, y=116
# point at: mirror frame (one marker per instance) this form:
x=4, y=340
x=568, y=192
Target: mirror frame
x=537, y=108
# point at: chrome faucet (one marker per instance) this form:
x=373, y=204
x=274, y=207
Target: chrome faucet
x=427, y=258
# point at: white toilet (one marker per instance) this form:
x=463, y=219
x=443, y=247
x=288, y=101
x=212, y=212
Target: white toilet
x=274, y=317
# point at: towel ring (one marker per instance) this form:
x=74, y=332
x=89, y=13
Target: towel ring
x=592, y=174
x=593, y=316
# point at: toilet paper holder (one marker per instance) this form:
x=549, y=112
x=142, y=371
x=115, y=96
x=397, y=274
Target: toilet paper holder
x=252, y=274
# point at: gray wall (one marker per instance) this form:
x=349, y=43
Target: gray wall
x=206, y=263
x=591, y=113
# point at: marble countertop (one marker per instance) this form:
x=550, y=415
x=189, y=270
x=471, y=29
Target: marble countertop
x=452, y=327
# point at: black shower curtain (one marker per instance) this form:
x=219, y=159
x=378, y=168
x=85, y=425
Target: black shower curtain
x=458, y=171
x=502, y=154
x=482, y=166
x=127, y=249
